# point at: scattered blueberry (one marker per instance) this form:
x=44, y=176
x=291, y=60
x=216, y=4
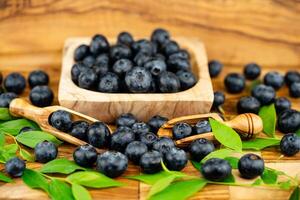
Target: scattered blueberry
x=98, y=135
x=175, y=159
x=235, y=83
x=85, y=155
x=168, y=82
x=140, y=128
x=215, y=68
x=6, y=98
x=99, y=44
x=251, y=166
x=15, y=83
x=201, y=126
x=252, y=71
x=109, y=83
x=274, y=79
x=126, y=119
x=216, y=169
x=81, y=52
x=135, y=150
x=294, y=90
x=248, y=104
x=282, y=104
x=138, y=79
x=45, y=152
x=156, y=66
x=264, y=94
x=15, y=167
x=150, y=162
x=79, y=130
x=200, y=148
x=163, y=145
x=187, y=79
x=149, y=139
x=61, y=120
x=26, y=129
x=289, y=121
x=125, y=38
x=292, y=77
x=181, y=130
x=112, y=164
x=41, y=96
x=219, y=99
x=122, y=66
x=121, y=138
x=38, y=77
x=290, y=144
x=87, y=79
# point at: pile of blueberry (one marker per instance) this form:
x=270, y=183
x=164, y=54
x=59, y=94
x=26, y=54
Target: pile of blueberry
x=181, y=130
x=133, y=66
x=14, y=84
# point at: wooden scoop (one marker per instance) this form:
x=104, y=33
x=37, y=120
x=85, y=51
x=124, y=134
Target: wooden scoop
x=248, y=125
x=19, y=107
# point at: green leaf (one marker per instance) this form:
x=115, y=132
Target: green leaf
x=5, y=115
x=260, y=143
x=9, y=151
x=286, y=185
x=221, y=153
x=149, y=179
x=5, y=178
x=59, y=190
x=93, y=180
x=80, y=193
x=35, y=180
x=226, y=135
x=13, y=127
x=257, y=182
x=268, y=116
x=255, y=83
x=229, y=179
x=61, y=165
x=269, y=176
x=233, y=162
x=298, y=132
x=32, y=138
x=2, y=140
x=180, y=190
x=196, y=164
x=161, y=185
x=296, y=194
x=26, y=155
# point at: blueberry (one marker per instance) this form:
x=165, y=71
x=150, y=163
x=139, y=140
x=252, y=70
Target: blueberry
x=76, y=70
x=143, y=46
x=141, y=58
x=274, y=79
x=102, y=59
x=235, y=83
x=101, y=69
x=99, y=44
x=6, y=98
x=120, y=51
x=15, y=83
x=41, y=96
x=175, y=159
x=251, y=165
x=181, y=54
x=122, y=66
x=109, y=83
x=138, y=80
x=170, y=47
x=168, y=82
x=61, y=120
x=187, y=79
x=89, y=61
x=200, y=148
x=15, y=167
x=159, y=56
x=126, y=119
x=289, y=121
x=112, y=164
x=150, y=162
x=163, y=145
x=149, y=139
x=81, y=52
x=45, y=151
x=87, y=79
x=156, y=66
x=98, y=135
x=219, y=99
x=294, y=90
x=38, y=77
x=252, y=71
x=292, y=77
x=156, y=122
x=290, y=144
x=125, y=38
x=181, y=130
x=26, y=129
x=216, y=169
x=140, y=128
x=215, y=68
x=135, y=150
x=85, y=155
x=121, y=138
x=79, y=130
x=202, y=126
x=282, y=104
x=160, y=36
x=264, y=94
x=179, y=64
x=248, y=104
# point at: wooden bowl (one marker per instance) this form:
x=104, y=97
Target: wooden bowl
x=108, y=106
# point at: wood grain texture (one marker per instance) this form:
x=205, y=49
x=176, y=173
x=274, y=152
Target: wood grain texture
x=107, y=106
